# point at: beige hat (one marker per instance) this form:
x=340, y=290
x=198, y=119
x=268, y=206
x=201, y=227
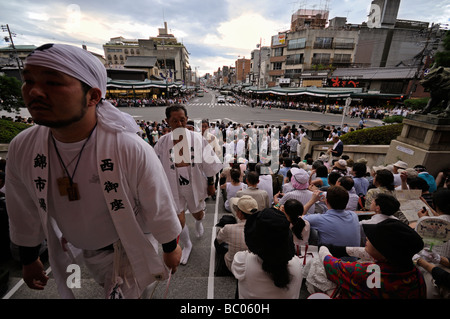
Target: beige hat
x=377, y=168
x=362, y=160
x=246, y=204
x=342, y=164
x=401, y=164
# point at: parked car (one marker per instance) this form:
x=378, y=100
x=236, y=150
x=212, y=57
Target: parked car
x=221, y=99
x=231, y=99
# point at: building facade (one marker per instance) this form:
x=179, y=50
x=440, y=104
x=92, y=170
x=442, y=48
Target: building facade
x=172, y=56
x=242, y=70
x=309, y=46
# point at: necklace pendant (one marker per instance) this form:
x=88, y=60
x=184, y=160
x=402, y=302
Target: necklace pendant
x=73, y=193
x=63, y=185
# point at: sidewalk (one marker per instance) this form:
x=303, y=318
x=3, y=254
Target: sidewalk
x=192, y=281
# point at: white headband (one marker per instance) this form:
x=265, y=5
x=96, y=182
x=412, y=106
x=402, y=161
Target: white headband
x=84, y=66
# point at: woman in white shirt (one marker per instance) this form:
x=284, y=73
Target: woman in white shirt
x=269, y=268
x=233, y=187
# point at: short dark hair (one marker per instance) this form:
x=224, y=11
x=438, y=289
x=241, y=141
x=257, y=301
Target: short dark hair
x=175, y=108
x=389, y=205
x=322, y=171
x=333, y=177
x=440, y=200
x=360, y=169
x=385, y=178
x=337, y=197
x=235, y=174
x=346, y=182
x=253, y=178
x=287, y=162
x=418, y=183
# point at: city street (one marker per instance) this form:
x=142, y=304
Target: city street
x=207, y=107
x=196, y=280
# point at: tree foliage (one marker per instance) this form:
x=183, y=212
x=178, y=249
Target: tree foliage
x=380, y=135
x=10, y=94
x=442, y=58
x=10, y=129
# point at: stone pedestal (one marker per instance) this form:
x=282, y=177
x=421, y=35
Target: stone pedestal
x=315, y=134
x=425, y=140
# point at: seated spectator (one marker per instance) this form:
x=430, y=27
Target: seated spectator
x=422, y=170
x=359, y=171
x=384, y=206
x=332, y=179
x=347, y=182
x=287, y=185
x=269, y=268
x=265, y=180
x=340, y=166
x=293, y=210
x=287, y=164
x=392, y=244
x=398, y=167
x=233, y=234
x=384, y=183
x=420, y=183
x=321, y=177
x=261, y=196
x=443, y=178
x=336, y=226
x=405, y=175
x=300, y=183
x=439, y=268
x=232, y=187
x=441, y=210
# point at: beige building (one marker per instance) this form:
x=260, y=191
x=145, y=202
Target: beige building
x=309, y=46
x=172, y=56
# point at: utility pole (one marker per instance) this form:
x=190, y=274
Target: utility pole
x=259, y=64
x=5, y=28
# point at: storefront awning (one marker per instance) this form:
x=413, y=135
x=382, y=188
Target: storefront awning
x=141, y=84
x=311, y=91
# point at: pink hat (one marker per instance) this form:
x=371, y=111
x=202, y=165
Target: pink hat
x=300, y=178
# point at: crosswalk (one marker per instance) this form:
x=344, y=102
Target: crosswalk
x=212, y=105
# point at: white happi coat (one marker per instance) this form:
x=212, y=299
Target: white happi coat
x=204, y=161
x=142, y=205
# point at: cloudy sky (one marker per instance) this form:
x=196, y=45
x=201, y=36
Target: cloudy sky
x=215, y=32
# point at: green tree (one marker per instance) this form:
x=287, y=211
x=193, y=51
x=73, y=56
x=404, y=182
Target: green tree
x=10, y=94
x=442, y=58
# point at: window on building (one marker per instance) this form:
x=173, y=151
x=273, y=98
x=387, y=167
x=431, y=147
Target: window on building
x=321, y=58
x=323, y=43
x=342, y=58
x=277, y=65
x=344, y=43
x=292, y=73
x=132, y=51
x=278, y=52
x=297, y=44
x=294, y=59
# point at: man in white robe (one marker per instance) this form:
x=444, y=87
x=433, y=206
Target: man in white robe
x=190, y=164
x=86, y=182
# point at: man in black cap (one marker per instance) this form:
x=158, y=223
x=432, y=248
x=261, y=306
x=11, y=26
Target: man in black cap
x=392, y=244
